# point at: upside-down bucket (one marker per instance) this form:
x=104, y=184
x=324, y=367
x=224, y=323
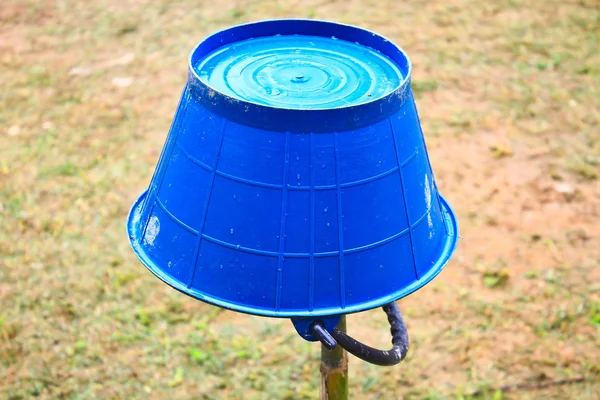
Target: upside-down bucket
x=295, y=181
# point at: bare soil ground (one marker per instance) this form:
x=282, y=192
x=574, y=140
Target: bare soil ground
x=509, y=96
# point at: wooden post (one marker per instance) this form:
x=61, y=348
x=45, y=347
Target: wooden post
x=334, y=370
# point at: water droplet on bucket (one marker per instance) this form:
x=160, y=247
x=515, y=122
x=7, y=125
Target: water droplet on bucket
x=325, y=209
x=323, y=166
x=234, y=196
x=231, y=231
x=221, y=266
x=297, y=158
x=328, y=224
x=243, y=266
x=298, y=176
x=380, y=266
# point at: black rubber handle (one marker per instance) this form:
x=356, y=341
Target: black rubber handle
x=374, y=356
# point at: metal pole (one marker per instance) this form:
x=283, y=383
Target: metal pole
x=334, y=370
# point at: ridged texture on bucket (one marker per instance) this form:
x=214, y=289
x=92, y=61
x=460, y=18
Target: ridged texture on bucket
x=287, y=223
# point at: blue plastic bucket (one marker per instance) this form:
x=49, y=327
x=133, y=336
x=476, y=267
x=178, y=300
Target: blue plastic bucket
x=295, y=181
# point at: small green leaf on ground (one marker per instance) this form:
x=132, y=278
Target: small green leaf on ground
x=177, y=378
x=79, y=346
x=495, y=279
x=198, y=356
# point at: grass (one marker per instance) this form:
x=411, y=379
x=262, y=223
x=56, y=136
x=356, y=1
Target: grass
x=509, y=98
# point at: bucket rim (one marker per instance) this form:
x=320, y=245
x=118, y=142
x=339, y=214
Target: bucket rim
x=449, y=247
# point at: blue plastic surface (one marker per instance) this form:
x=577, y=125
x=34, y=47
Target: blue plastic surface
x=302, y=208
x=303, y=325
x=299, y=72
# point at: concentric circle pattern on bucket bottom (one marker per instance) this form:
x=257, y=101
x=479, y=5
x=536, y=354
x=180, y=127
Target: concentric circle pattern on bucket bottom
x=299, y=72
